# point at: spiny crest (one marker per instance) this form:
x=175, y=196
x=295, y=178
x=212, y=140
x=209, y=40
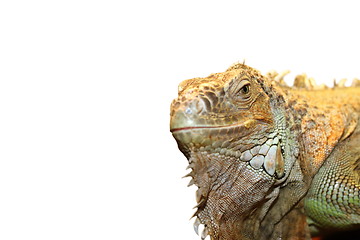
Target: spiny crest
x=302, y=81
x=342, y=83
x=242, y=66
x=355, y=83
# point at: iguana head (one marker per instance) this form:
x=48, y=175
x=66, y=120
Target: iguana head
x=225, y=126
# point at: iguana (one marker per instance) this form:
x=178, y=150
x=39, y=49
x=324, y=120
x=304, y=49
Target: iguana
x=270, y=161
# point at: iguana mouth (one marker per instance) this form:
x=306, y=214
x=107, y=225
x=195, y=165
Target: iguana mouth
x=201, y=127
x=191, y=128
x=240, y=128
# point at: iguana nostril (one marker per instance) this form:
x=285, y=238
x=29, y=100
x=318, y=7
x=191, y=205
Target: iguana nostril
x=196, y=107
x=188, y=111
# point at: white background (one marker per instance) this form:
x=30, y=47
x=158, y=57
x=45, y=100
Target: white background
x=85, y=90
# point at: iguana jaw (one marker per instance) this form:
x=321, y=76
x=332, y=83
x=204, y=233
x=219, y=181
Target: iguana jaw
x=231, y=141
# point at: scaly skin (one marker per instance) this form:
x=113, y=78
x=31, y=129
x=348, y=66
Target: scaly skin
x=270, y=162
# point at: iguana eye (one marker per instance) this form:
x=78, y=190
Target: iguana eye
x=244, y=89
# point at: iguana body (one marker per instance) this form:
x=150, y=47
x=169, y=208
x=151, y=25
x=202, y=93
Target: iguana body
x=270, y=161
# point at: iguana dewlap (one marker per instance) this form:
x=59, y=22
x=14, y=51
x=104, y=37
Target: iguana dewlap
x=270, y=161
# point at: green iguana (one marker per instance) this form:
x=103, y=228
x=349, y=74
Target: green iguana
x=270, y=161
